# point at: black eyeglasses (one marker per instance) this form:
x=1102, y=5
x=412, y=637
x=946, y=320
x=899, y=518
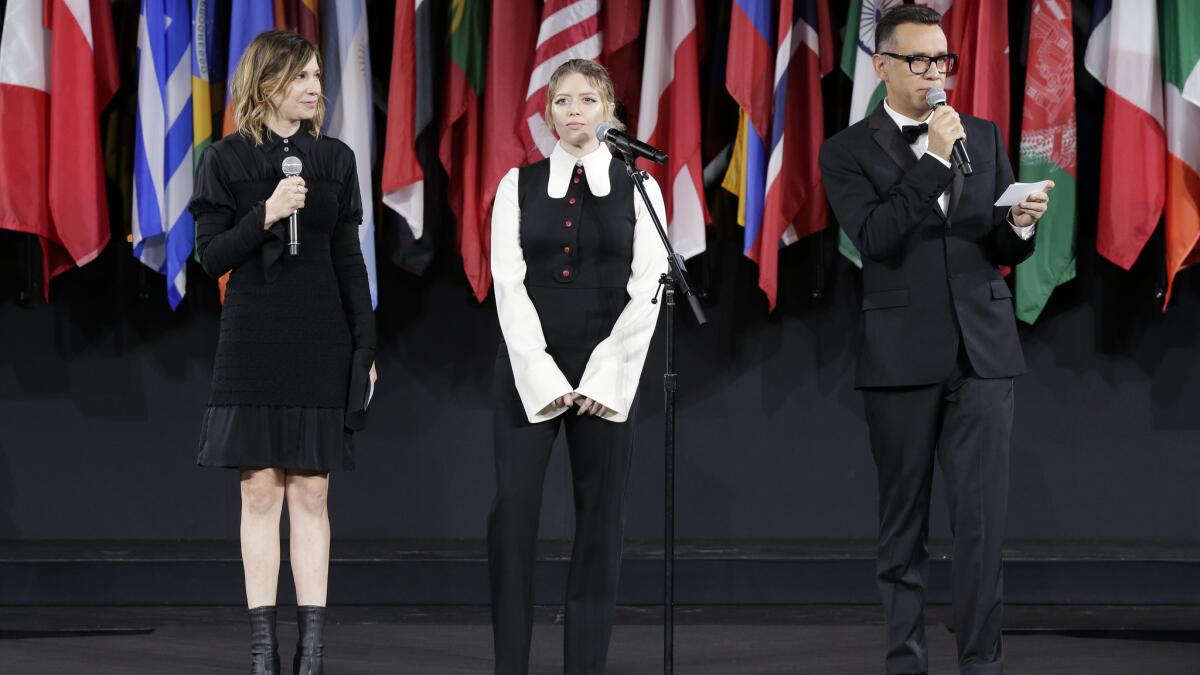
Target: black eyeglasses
x=918, y=64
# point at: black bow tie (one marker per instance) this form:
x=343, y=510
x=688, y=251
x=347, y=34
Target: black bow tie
x=912, y=132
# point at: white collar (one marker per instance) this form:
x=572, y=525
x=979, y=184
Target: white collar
x=595, y=167
x=902, y=120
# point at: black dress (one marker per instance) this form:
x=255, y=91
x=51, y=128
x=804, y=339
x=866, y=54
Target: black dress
x=297, y=332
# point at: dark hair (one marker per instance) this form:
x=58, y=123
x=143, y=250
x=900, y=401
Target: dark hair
x=903, y=14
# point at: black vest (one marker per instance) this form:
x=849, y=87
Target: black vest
x=578, y=252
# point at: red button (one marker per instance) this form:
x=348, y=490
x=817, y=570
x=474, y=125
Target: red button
x=577, y=180
x=566, y=274
x=567, y=250
x=571, y=200
x=568, y=223
x=579, y=169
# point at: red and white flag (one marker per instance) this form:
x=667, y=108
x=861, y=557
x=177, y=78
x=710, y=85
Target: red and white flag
x=570, y=29
x=670, y=119
x=977, y=30
x=58, y=69
x=1122, y=54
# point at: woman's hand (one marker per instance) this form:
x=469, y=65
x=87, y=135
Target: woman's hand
x=589, y=407
x=374, y=374
x=565, y=401
x=286, y=200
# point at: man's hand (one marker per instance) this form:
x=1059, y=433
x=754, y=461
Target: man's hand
x=945, y=127
x=1028, y=212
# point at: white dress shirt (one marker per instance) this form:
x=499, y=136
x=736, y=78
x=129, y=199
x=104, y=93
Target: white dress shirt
x=615, y=366
x=921, y=147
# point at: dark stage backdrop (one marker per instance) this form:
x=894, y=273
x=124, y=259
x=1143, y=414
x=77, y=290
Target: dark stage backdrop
x=102, y=390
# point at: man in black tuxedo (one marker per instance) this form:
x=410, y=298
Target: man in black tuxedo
x=939, y=339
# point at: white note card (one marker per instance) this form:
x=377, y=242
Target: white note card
x=1017, y=192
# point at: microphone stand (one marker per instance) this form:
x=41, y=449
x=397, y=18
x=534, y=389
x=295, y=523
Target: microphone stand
x=669, y=282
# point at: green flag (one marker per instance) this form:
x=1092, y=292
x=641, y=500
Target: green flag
x=1180, y=37
x=857, y=50
x=1048, y=151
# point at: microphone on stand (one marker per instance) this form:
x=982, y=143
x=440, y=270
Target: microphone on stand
x=606, y=132
x=292, y=167
x=958, y=154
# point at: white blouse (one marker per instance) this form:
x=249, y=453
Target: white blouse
x=615, y=365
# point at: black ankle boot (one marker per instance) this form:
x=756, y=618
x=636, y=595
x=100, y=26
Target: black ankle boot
x=264, y=648
x=310, y=649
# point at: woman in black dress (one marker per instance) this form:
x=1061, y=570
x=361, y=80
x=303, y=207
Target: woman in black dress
x=576, y=261
x=295, y=356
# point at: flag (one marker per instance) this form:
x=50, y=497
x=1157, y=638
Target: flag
x=299, y=16
x=1048, y=152
x=459, y=145
x=511, y=48
x=1122, y=54
x=58, y=69
x=410, y=109
x=749, y=80
x=570, y=29
x=977, y=30
x=868, y=89
x=163, y=230
x=621, y=24
x=208, y=60
x=1181, y=75
x=670, y=119
x=348, y=116
x=247, y=19
x=794, y=201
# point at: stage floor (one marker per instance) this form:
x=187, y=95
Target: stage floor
x=745, y=640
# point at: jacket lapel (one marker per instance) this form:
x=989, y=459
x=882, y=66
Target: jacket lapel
x=956, y=189
x=888, y=136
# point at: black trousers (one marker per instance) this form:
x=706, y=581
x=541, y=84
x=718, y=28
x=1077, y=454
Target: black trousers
x=600, y=454
x=967, y=422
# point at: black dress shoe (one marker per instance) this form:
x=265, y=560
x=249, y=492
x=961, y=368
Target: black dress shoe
x=264, y=647
x=310, y=649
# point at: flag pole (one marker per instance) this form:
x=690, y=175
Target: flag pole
x=669, y=282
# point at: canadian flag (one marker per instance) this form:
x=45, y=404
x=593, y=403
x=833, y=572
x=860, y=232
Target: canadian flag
x=58, y=69
x=670, y=118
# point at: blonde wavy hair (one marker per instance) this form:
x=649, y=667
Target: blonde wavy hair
x=597, y=76
x=270, y=63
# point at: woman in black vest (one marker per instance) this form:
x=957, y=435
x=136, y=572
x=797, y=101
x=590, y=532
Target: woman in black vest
x=576, y=261
x=297, y=337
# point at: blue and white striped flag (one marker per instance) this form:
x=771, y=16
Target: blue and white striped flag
x=348, y=114
x=163, y=231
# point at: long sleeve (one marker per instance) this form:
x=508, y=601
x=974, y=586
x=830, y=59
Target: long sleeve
x=1009, y=246
x=879, y=226
x=538, y=378
x=220, y=243
x=348, y=263
x=615, y=367
x=351, y=272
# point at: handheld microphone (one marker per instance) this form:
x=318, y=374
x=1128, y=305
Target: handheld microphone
x=291, y=167
x=606, y=132
x=958, y=154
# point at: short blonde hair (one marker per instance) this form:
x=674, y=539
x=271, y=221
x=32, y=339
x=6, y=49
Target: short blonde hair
x=271, y=61
x=597, y=76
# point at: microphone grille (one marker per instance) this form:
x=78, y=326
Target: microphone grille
x=602, y=130
x=935, y=97
x=292, y=166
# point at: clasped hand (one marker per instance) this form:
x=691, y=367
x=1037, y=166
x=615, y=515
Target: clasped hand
x=586, y=405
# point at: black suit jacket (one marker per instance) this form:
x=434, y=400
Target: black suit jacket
x=929, y=279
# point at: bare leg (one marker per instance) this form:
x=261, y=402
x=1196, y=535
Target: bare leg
x=262, y=501
x=308, y=512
